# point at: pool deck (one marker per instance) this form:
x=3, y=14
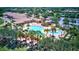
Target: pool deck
x=39, y=27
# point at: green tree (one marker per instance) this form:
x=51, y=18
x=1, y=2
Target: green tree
x=2, y=10
x=66, y=22
x=1, y=21
x=56, y=17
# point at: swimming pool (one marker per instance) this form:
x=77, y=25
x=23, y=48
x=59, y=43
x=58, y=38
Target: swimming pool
x=57, y=33
x=36, y=28
x=41, y=29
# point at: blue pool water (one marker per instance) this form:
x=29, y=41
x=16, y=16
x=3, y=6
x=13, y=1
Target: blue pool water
x=36, y=28
x=58, y=32
x=40, y=28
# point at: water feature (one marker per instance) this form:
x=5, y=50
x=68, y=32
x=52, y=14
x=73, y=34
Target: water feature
x=41, y=29
x=36, y=28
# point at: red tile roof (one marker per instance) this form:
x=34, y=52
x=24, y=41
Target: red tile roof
x=18, y=18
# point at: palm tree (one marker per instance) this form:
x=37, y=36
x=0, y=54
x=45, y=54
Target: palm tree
x=28, y=26
x=46, y=30
x=1, y=21
x=2, y=10
x=56, y=17
x=66, y=22
x=48, y=44
x=74, y=38
x=20, y=34
x=53, y=27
